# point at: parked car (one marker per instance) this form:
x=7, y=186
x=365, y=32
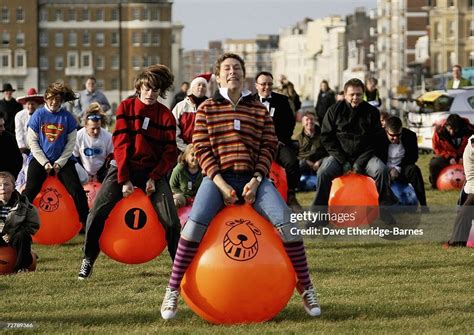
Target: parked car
x=434, y=107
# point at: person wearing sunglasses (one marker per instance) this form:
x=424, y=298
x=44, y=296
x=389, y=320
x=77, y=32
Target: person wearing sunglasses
x=397, y=147
x=94, y=148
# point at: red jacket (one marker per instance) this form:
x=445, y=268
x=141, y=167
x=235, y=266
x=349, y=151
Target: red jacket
x=144, y=139
x=442, y=145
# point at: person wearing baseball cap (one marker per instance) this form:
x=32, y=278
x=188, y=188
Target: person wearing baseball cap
x=9, y=106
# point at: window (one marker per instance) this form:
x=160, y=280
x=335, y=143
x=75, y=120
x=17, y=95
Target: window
x=451, y=28
x=156, y=60
x=100, y=62
x=72, y=38
x=114, y=84
x=155, y=38
x=44, y=65
x=100, y=84
x=115, y=62
x=136, y=38
x=86, y=14
x=136, y=62
x=20, y=39
x=86, y=38
x=471, y=3
x=146, y=61
x=5, y=38
x=43, y=37
x=59, y=62
x=471, y=28
x=99, y=39
x=5, y=14
x=437, y=31
x=72, y=59
x=20, y=85
x=20, y=14
x=58, y=39
x=99, y=15
x=86, y=59
x=146, y=38
x=43, y=14
x=136, y=14
x=451, y=3
x=155, y=14
x=114, y=39
x=58, y=15
x=71, y=13
x=114, y=14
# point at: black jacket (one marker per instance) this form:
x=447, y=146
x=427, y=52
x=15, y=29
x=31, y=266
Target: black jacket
x=11, y=159
x=10, y=108
x=349, y=134
x=325, y=100
x=283, y=117
x=409, y=142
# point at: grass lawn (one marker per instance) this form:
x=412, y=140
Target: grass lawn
x=364, y=287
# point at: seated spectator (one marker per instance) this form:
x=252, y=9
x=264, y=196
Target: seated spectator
x=185, y=178
x=185, y=111
x=349, y=133
x=463, y=221
x=310, y=152
x=19, y=220
x=326, y=99
x=94, y=148
x=397, y=147
x=449, y=140
x=12, y=159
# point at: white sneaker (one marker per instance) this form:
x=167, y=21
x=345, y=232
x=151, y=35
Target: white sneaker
x=310, y=300
x=169, y=307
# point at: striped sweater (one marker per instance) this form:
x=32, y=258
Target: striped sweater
x=220, y=147
x=144, y=139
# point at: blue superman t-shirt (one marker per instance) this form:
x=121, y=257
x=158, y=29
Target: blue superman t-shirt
x=53, y=130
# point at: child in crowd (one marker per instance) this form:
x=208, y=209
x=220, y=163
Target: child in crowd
x=144, y=152
x=51, y=138
x=186, y=178
x=94, y=149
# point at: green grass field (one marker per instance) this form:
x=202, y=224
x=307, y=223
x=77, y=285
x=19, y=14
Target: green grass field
x=364, y=287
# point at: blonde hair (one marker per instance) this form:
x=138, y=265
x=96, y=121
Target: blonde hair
x=94, y=109
x=187, y=151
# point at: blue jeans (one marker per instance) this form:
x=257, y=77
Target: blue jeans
x=208, y=202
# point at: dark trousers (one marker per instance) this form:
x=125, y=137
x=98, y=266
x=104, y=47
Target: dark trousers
x=437, y=164
x=412, y=174
x=68, y=177
x=111, y=192
x=21, y=242
x=287, y=158
x=463, y=222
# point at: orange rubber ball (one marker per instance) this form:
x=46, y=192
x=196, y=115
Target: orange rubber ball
x=132, y=233
x=241, y=272
x=451, y=177
x=58, y=215
x=353, y=201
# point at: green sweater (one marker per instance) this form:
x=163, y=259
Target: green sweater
x=181, y=181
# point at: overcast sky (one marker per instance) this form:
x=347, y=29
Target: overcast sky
x=206, y=20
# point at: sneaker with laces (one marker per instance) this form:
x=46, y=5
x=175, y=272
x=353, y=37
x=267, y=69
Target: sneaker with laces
x=86, y=269
x=310, y=300
x=169, y=307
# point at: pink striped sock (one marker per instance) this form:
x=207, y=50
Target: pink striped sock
x=184, y=256
x=297, y=254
